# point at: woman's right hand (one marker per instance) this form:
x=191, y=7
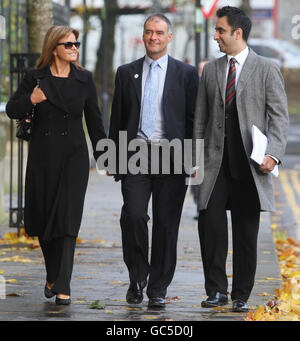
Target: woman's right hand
x=37, y=96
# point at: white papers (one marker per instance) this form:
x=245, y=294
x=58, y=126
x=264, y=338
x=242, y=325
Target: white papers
x=260, y=143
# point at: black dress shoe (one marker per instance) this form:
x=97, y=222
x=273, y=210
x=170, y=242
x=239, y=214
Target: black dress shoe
x=135, y=292
x=239, y=306
x=215, y=301
x=157, y=302
x=62, y=301
x=48, y=292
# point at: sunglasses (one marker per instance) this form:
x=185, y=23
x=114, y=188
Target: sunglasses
x=69, y=44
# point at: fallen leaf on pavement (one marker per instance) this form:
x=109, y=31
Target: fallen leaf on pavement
x=97, y=305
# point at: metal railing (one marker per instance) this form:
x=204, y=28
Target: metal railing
x=19, y=63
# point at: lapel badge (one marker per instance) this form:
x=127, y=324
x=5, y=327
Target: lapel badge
x=136, y=75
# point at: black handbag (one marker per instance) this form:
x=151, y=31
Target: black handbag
x=25, y=125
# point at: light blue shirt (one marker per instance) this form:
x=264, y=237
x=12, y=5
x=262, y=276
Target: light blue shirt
x=159, y=132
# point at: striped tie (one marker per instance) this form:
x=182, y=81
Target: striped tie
x=230, y=86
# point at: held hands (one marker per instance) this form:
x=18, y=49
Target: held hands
x=37, y=96
x=268, y=164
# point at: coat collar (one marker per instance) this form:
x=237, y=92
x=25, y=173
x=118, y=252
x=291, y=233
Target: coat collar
x=75, y=72
x=247, y=70
x=136, y=76
x=49, y=88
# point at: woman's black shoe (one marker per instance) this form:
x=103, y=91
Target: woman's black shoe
x=48, y=292
x=62, y=301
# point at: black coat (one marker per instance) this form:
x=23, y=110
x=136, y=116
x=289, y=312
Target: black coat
x=178, y=102
x=58, y=161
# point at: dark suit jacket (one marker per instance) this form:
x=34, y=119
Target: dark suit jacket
x=178, y=102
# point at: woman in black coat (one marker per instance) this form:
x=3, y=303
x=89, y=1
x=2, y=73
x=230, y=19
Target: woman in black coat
x=58, y=160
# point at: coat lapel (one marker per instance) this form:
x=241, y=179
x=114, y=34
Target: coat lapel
x=136, y=77
x=247, y=70
x=221, y=75
x=170, y=77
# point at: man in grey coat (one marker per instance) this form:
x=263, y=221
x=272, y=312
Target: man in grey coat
x=237, y=91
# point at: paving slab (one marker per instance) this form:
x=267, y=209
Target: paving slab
x=100, y=273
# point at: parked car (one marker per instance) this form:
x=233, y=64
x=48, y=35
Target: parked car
x=285, y=53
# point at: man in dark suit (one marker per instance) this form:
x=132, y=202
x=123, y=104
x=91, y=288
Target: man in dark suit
x=237, y=91
x=154, y=99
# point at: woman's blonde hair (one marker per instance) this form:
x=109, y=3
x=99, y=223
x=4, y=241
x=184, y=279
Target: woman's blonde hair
x=52, y=37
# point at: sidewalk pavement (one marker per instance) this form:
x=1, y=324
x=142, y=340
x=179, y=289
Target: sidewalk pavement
x=100, y=274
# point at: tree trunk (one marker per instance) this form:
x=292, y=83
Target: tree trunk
x=104, y=74
x=40, y=19
x=246, y=7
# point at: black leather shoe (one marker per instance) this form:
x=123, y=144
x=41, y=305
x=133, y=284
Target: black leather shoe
x=157, y=302
x=215, y=301
x=48, y=293
x=239, y=306
x=62, y=301
x=135, y=292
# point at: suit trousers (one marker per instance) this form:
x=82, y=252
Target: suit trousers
x=240, y=196
x=168, y=192
x=59, y=256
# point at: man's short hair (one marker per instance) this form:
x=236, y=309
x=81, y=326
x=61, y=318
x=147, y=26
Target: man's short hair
x=161, y=17
x=236, y=19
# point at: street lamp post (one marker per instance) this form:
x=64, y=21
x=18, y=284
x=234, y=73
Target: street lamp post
x=198, y=30
x=104, y=82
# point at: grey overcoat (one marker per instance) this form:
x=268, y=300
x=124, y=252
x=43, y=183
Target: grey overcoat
x=261, y=100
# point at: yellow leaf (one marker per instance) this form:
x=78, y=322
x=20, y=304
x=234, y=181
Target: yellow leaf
x=108, y=312
x=115, y=282
x=295, y=307
x=258, y=313
x=16, y=259
x=272, y=279
x=129, y=308
x=295, y=273
x=150, y=317
x=8, y=280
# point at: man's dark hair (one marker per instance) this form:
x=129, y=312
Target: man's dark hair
x=236, y=19
x=162, y=17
